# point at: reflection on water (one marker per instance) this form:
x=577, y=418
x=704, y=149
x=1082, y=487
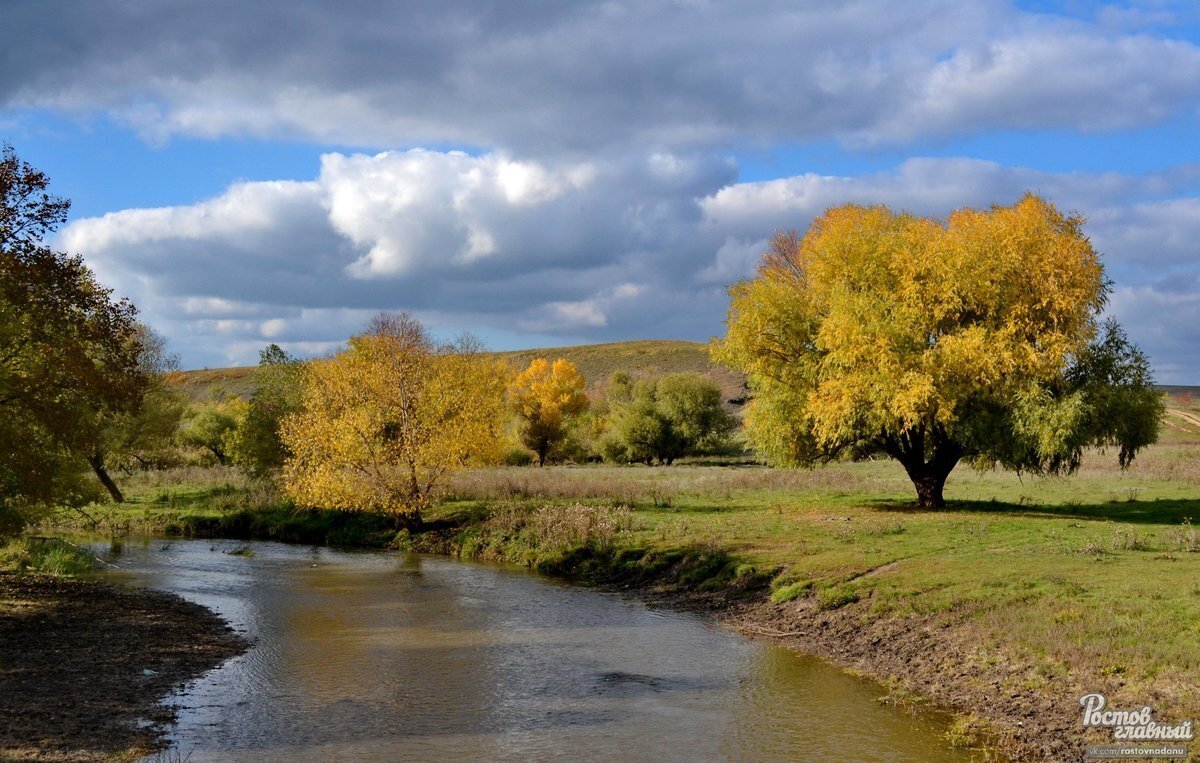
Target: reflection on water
x=380, y=656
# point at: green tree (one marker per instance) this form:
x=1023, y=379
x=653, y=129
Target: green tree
x=68, y=351
x=256, y=446
x=211, y=426
x=139, y=438
x=932, y=342
x=664, y=419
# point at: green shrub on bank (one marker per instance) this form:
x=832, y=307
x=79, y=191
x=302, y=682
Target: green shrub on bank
x=50, y=556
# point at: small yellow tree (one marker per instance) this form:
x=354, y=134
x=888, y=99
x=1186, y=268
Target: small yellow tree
x=383, y=423
x=545, y=396
x=934, y=342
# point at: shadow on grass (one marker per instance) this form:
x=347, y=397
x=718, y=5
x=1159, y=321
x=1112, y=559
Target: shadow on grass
x=1166, y=511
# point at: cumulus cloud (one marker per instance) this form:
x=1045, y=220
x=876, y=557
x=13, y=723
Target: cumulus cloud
x=527, y=76
x=404, y=207
x=608, y=250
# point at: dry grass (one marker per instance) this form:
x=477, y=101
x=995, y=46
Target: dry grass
x=663, y=487
x=563, y=527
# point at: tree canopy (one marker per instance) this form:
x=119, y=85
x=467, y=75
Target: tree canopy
x=976, y=338
x=545, y=397
x=256, y=446
x=143, y=437
x=383, y=423
x=663, y=418
x=69, y=353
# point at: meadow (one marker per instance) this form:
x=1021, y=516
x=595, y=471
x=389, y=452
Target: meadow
x=1039, y=589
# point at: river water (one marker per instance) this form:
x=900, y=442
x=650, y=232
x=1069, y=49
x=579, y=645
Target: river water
x=382, y=656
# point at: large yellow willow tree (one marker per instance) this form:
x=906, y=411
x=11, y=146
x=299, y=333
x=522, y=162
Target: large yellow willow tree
x=382, y=424
x=976, y=338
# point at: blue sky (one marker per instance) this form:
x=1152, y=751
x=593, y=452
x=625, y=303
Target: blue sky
x=575, y=172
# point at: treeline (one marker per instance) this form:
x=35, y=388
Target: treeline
x=875, y=333
x=547, y=417
x=380, y=425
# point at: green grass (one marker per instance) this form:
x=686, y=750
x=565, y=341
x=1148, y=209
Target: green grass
x=219, y=502
x=50, y=556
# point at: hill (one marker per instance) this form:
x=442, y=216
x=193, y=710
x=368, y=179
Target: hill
x=202, y=384
x=596, y=362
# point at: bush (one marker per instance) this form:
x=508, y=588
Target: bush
x=664, y=419
x=517, y=456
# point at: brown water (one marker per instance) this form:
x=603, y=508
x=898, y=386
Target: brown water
x=374, y=656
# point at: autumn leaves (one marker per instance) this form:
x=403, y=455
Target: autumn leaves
x=932, y=342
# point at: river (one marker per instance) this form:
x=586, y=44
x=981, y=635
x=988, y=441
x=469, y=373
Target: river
x=380, y=656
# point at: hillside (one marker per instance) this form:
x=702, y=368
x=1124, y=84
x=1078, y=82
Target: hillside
x=643, y=357
x=595, y=361
x=202, y=384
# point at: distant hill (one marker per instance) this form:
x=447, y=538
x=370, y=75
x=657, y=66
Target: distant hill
x=639, y=358
x=202, y=384
x=596, y=362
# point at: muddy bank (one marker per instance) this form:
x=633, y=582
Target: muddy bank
x=83, y=665
x=931, y=660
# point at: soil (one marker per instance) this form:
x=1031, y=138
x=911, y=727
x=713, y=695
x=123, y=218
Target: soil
x=84, y=666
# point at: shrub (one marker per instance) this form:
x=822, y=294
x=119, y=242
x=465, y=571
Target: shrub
x=517, y=456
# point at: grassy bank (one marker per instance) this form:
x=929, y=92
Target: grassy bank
x=1020, y=596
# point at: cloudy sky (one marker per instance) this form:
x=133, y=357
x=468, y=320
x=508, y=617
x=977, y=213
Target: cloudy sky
x=544, y=172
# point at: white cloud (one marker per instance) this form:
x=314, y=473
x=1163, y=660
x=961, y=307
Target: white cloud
x=581, y=77
x=421, y=208
x=735, y=260
x=1053, y=76
x=506, y=246
x=569, y=316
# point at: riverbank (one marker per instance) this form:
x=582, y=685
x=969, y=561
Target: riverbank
x=1006, y=607
x=84, y=666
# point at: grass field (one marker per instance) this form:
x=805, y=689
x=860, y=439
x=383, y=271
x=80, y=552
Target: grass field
x=1038, y=586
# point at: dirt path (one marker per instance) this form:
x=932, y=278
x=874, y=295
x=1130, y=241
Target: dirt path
x=81, y=663
x=1190, y=418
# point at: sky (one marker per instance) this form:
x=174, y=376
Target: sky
x=547, y=173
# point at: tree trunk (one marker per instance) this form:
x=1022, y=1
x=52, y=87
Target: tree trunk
x=413, y=522
x=97, y=463
x=928, y=476
x=929, y=491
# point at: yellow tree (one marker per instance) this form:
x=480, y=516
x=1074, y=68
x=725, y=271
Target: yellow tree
x=975, y=338
x=383, y=423
x=544, y=397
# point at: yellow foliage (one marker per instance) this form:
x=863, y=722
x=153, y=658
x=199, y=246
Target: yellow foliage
x=383, y=423
x=882, y=322
x=544, y=395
